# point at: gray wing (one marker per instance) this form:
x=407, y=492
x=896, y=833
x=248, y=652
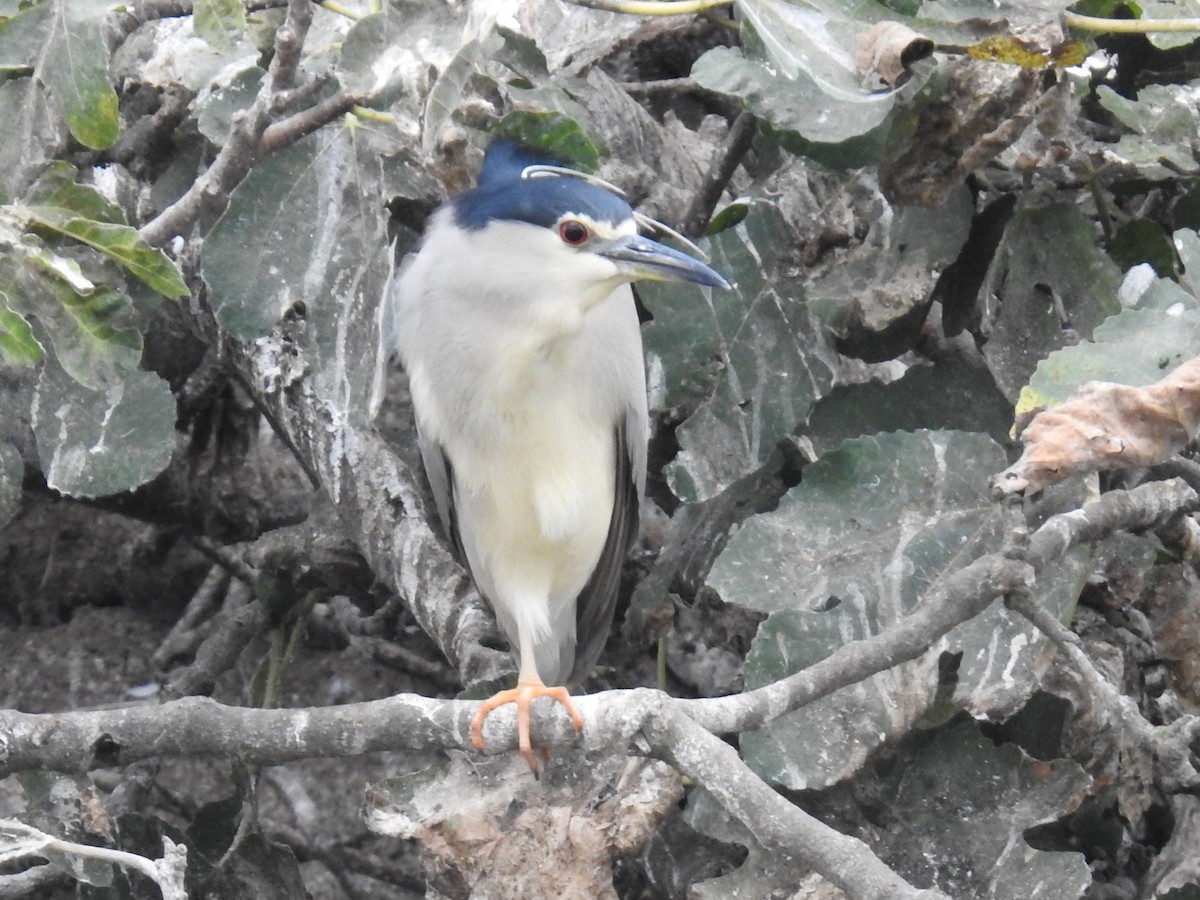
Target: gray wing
x=597, y=601
x=440, y=474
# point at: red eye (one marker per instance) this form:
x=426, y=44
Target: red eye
x=573, y=233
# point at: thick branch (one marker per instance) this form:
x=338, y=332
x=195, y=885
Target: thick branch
x=198, y=727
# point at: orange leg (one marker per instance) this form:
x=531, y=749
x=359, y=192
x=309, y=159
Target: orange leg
x=526, y=691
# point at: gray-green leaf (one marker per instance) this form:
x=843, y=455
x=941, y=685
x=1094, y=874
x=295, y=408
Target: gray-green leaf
x=94, y=443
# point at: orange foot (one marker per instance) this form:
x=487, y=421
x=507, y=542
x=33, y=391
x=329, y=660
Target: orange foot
x=526, y=691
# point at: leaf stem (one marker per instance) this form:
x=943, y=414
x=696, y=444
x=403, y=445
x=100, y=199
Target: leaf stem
x=1128, y=26
x=334, y=7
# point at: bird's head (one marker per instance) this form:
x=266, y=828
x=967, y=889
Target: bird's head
x=535, y=219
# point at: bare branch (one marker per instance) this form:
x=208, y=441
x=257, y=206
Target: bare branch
x=737, y=144
x=210, y=192
x=198, y=727
x=961, y=597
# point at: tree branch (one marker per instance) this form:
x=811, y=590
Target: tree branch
x=209, y=194
x=199, y=727
x=961, y=597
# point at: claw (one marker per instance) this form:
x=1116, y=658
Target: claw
x=523, y=695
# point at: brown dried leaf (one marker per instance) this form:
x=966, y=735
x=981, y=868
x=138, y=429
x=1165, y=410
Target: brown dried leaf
x=886, y=52
x=1107, y=426
x=487, y=828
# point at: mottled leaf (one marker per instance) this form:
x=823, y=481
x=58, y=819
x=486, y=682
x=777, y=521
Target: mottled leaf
x=305, y=233
x=1165, y=125
x=119, y=243
x=220, y=23
x=1136, y=347
x=450, y=88
x=792, y=104
x=73, y=65
x=1048, y=282
x=947, y=395
x=35, y=134
x=755, y=354
x=18, y=346
x=864, y=540
x=962, y=806
x=93, y=443
x=216, y=109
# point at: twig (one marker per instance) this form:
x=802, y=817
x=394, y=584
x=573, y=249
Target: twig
x=198, y=727
x=204, y=601
x=219, y=652
x=737, y=144
x=291, y=129
x=18, y=840
x=225, y=559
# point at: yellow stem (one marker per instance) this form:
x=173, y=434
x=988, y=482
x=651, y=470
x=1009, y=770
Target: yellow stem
x=1129, y=26
x=371, y=115
x=334, y=7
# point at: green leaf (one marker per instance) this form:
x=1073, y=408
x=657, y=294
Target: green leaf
x=555, y=133
x=93, y=335
x=93, y=443
x=1143, y=241
x=862, y=542
x=1048, y=275
x=74, y=67
x=18, y=346
x=1165, y=125
x=1137, y=347
x=57, y=186
x=21, y=36
x=118, y=242
x=756, y=356
x=220, y=23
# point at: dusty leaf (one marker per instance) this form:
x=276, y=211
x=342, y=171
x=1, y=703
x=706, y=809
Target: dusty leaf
x=756, y=356
x=92, y=443
x=1107, y=426
x=886, y=52
x=864, y=540
x=962, y=807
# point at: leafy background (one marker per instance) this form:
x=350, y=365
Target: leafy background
x=912, y=267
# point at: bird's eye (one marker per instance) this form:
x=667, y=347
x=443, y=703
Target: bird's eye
x=573, y=233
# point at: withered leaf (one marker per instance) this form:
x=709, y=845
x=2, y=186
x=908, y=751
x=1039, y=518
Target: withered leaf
x=1107, y=426
x=886, y=52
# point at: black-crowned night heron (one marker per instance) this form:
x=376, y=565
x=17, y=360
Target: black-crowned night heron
x=518, y=329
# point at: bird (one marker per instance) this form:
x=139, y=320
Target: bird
x=516, y=324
